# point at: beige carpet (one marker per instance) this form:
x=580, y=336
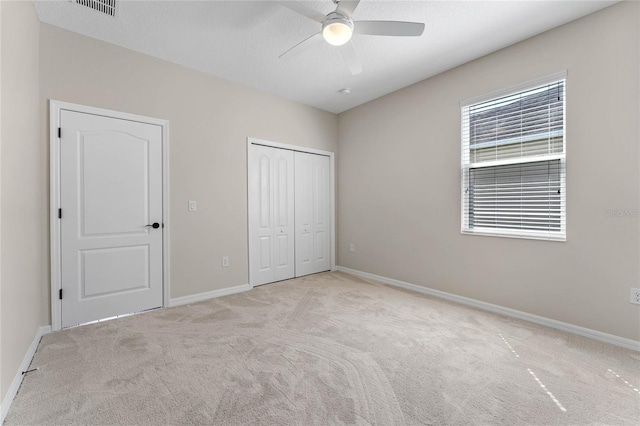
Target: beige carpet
x=326, y=349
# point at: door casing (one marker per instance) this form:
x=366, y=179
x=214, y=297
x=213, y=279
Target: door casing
x=254, y=141
x=55, y=109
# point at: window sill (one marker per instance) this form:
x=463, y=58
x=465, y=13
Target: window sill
x=544, y=236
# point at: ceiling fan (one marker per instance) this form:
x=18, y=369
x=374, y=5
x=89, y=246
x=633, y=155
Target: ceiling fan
x=338, y=27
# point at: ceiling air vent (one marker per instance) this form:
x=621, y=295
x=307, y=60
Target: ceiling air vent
x=108, y=7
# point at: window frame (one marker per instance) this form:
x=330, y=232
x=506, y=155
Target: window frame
x=467, y=166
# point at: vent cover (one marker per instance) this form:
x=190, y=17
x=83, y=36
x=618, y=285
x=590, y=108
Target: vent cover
x=108, y=7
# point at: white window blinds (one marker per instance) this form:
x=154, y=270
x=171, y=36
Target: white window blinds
x=513, y=163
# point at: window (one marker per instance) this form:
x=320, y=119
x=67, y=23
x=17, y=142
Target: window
x=513, y=162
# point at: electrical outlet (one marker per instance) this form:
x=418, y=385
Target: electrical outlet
x=635, y=296
x=225, y=261
x=352, y=247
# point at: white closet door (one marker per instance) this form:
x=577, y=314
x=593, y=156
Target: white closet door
x=271, y=215
x=313, y=213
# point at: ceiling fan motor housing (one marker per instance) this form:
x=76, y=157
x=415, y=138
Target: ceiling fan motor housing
x=337, y=29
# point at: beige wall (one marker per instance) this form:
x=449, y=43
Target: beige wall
x=210, y=119
x=399, y=181
x=23, y=188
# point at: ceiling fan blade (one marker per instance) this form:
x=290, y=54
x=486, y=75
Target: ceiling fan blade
x=304, y=10
x=388, y=28
x=300, y=46
x=350, y=57
x=346, y=7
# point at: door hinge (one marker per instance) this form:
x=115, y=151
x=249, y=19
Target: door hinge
x=59, y=132
x=59, y=213
x=60, y=294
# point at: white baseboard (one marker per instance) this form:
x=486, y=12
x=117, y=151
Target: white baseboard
x=17, y=380
x=184, y=300
x=559, y=325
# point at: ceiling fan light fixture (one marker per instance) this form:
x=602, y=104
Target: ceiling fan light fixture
x=337, y=29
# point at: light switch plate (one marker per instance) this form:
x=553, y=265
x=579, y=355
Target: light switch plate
x=192, y=206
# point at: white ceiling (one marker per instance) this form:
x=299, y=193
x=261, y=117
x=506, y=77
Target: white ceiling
x=241, y=40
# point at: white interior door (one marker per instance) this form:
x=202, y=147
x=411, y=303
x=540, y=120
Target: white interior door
x=271, y=214
x=110, y=190
x=312, y=213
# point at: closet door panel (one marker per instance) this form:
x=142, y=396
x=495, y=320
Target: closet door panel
x=322, y=213
x=312, y=213
x=304, y=213
x=284, y=266
x=271, y=215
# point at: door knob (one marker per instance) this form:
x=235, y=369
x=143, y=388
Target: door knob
x=155, y=225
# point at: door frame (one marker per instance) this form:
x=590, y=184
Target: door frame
x=55, y=110
x=332, y=246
